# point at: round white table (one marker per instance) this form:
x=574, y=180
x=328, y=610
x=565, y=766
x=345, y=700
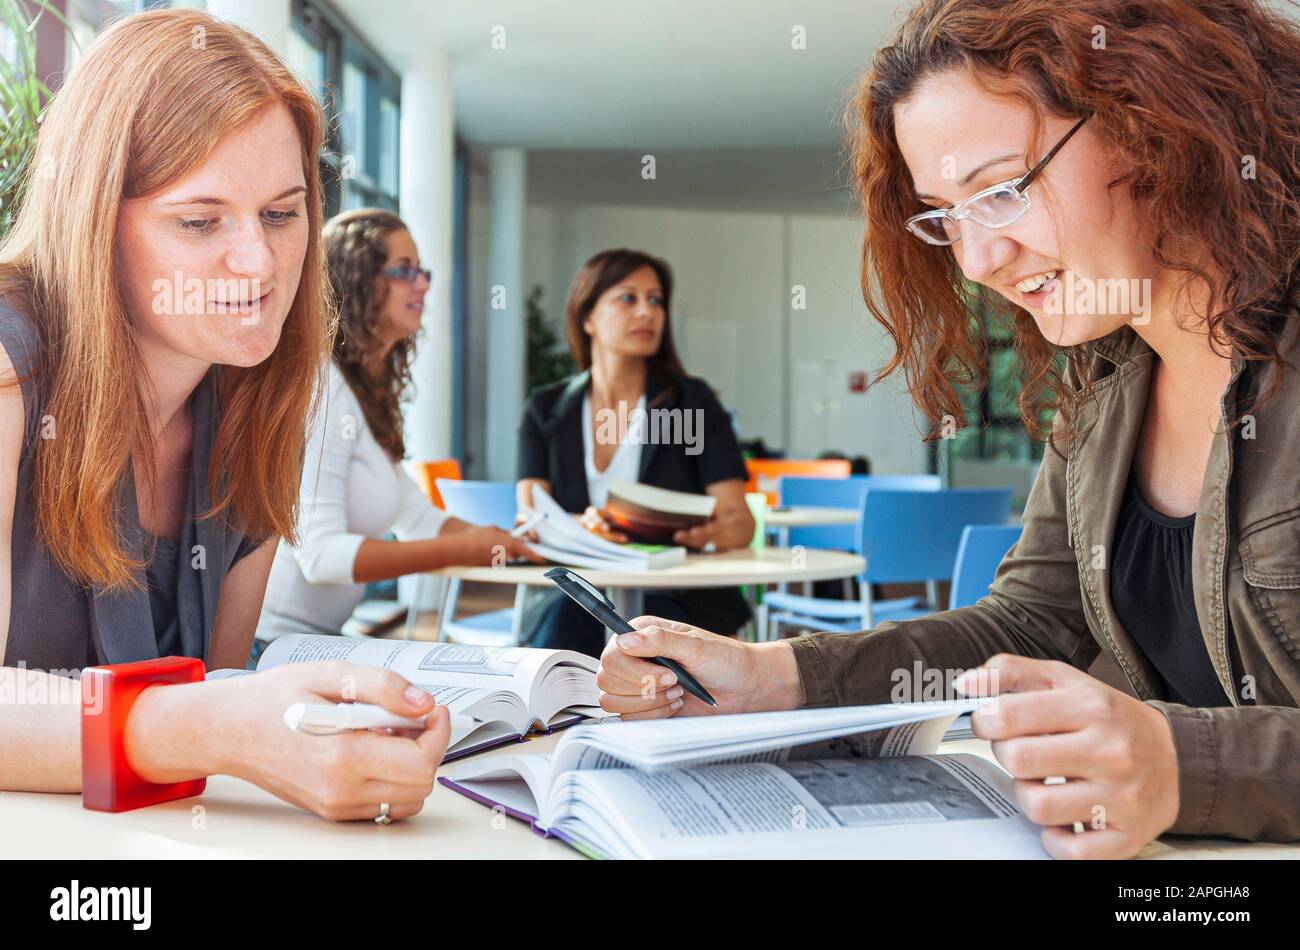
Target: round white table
x=743, y=568
x=806, y=516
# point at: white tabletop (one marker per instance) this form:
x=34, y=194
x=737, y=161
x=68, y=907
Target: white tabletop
x=234, y=819
x=730, y=569
x=804, y=516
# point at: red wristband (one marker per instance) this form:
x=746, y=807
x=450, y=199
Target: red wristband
x=108, y=783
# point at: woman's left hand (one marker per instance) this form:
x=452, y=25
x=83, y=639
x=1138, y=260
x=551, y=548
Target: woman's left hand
x=711, y=532
x=1116, y=754
x=730, y=527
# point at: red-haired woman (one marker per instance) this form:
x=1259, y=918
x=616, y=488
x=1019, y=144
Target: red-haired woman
x=1122, y=181
x=163, y=323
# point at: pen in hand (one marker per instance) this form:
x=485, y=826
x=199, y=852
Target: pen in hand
x=596, y=604
x=529, y=525
x=327, y=719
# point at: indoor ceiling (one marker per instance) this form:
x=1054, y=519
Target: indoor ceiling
x=618, y=74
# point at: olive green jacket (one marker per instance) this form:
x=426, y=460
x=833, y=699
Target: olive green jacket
x=1238, y=766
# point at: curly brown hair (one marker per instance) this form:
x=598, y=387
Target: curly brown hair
x=356, y=251
x=1182, y=92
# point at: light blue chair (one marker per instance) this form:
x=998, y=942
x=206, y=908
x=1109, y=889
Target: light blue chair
x=905, y=535
x=810, y=492
x=982, y=548
x=482, y=503
x=804, y=492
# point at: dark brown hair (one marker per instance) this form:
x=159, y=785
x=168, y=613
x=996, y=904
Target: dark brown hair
x=601, y=272
x=356, y=251
x=1182, y=93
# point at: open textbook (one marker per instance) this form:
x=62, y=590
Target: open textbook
x=854, y=781
x=560, y=538
x=495, y=694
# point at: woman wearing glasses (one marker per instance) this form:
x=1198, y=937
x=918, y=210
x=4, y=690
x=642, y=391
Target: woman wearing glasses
x=354, y=489
x=1135, y=216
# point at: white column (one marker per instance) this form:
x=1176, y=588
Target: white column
x=427, y=195
x=506, y=292
x=428, y=155
x=269, y=19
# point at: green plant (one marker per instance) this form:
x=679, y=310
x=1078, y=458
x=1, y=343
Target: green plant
x=22, y=98
x=548, y=359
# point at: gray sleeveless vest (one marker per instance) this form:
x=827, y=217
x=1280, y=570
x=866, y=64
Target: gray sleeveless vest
x=55, y=623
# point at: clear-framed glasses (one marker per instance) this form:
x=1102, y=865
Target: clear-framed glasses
x=407, y=273
x=996, y=207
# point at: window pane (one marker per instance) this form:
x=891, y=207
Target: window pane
x=388, y=144
x=1004, y=383
x=8, y=45
x=307, y=60
x=352, y=115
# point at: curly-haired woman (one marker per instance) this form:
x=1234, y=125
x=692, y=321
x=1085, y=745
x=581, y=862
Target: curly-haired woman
x=1051, y=152
x=354, y=490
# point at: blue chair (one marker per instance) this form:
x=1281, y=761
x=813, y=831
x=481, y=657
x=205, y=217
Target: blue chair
x=982, y=548
x=482, y=503
x=905, y=535
x=811, y=492
x=804, y=492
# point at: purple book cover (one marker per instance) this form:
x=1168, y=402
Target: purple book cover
x=529, y=820
x=512, y=737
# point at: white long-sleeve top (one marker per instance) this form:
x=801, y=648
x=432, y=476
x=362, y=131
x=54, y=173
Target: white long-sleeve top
x=351, y=490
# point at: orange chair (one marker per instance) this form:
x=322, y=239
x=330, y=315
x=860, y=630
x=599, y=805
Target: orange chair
x=765, y=474
x=428, y=473
x=426, y=476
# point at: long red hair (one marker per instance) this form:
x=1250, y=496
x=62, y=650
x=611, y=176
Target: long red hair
x=148, y=104
x=1183, y=91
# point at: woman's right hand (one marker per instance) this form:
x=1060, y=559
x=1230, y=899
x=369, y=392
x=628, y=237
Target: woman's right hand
x=487, y=546
x=343, y=777
x=742, y=677
x=523, y=516
x=593, y=519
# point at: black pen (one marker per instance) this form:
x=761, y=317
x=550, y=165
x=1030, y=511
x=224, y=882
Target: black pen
x=598, y=605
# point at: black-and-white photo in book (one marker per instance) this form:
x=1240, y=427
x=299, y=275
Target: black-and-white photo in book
x=848, y=782
x=495, y=694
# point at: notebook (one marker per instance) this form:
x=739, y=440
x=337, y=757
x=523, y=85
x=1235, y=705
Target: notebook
x=560, y=538
x=848, y=782
x=496, y=695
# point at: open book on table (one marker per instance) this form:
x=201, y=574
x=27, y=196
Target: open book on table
x=560, y=538
x=854, y=781
x=495, y=694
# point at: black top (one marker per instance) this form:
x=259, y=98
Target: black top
x=1151, y=588
x=162, y=575
x=690, y=448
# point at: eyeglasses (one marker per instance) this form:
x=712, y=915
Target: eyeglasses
x=994, y=207
x=407, y=273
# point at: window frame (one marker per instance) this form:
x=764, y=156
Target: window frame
x=352, y=185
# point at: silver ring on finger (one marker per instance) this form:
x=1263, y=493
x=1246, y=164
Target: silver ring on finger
x=382, y=818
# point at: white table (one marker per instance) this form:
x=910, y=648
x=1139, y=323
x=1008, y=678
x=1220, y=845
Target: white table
x=806, y=516
x=234, y=819
x=745, y=567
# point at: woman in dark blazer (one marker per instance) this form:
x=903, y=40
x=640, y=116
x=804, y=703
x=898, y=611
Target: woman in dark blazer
x=607, y=422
